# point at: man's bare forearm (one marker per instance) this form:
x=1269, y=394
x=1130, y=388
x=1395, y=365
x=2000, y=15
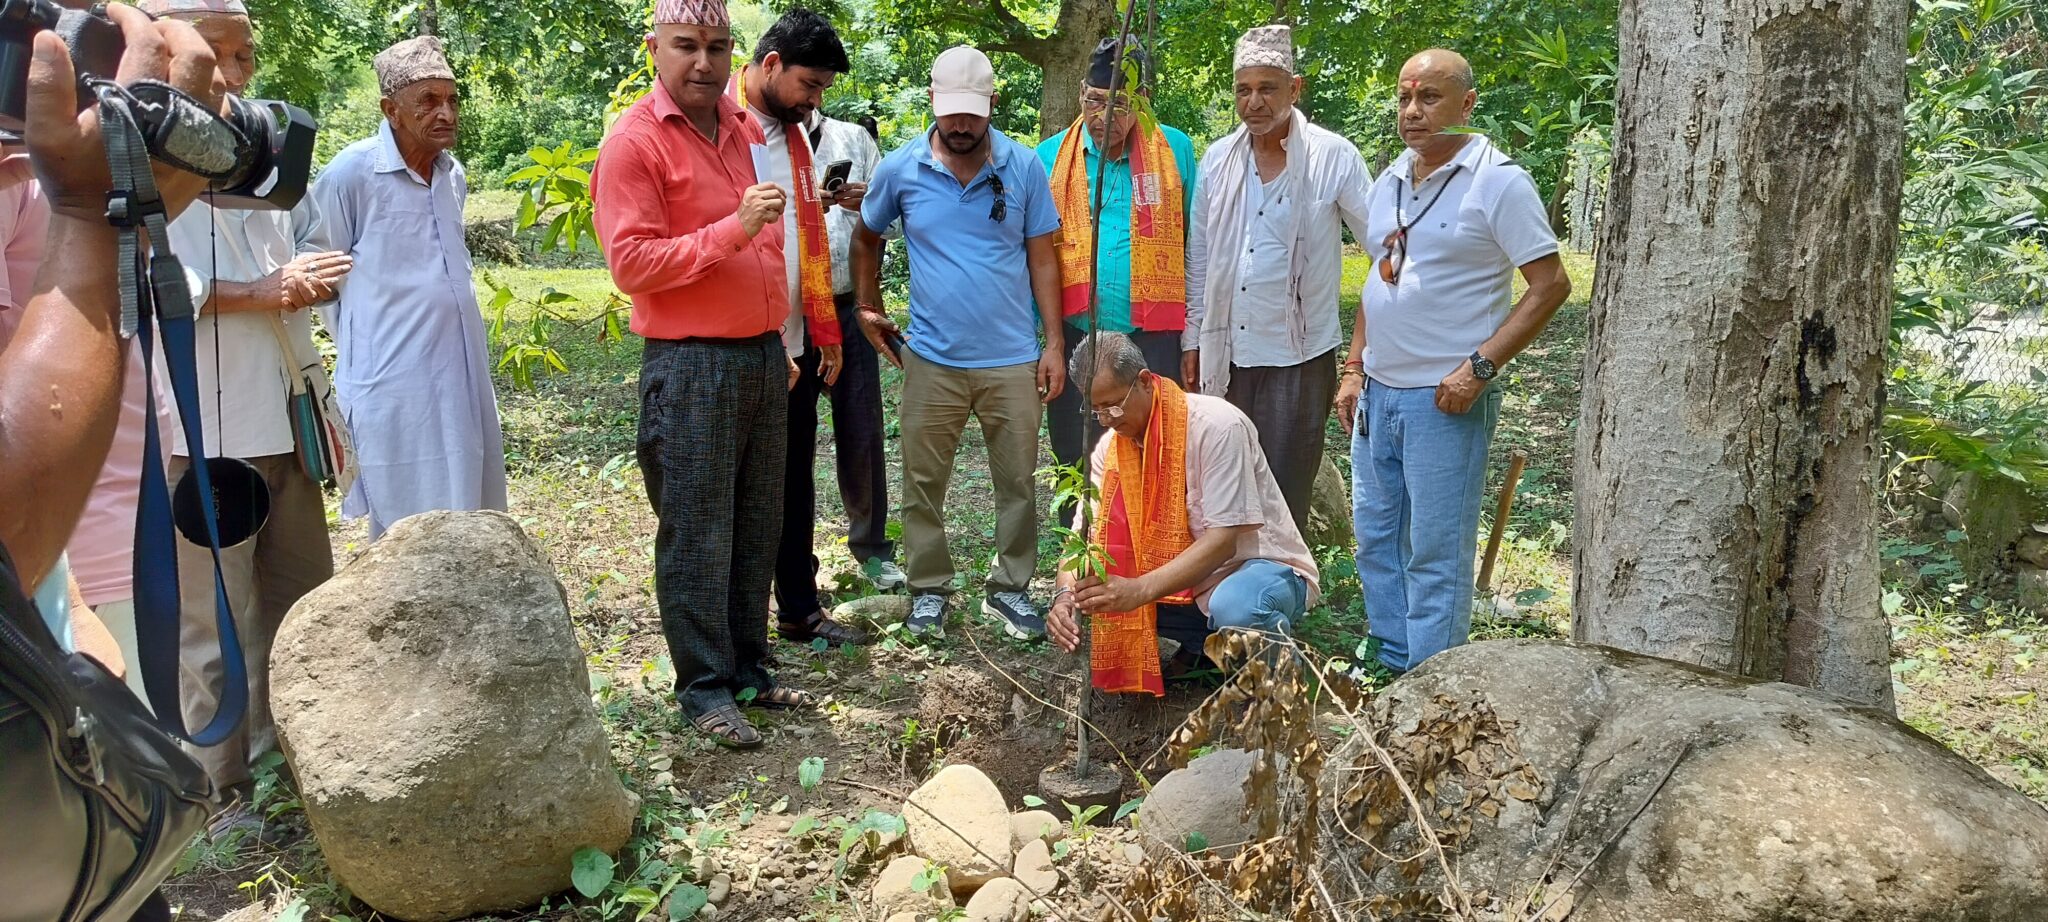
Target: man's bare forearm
x=60, y=394
x=1197, y=563
x=1549, y=286
x=867, y=267
x=1042, y=254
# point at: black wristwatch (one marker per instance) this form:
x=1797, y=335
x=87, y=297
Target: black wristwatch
x=1483, y=367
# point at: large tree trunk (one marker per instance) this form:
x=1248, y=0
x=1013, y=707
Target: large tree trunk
x=1063, y=56
x=1728, y=452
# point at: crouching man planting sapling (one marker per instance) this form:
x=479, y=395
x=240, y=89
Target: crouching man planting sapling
x=1196, y=533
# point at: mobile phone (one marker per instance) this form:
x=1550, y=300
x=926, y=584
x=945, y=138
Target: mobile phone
x=836, y=175
x=894, y=340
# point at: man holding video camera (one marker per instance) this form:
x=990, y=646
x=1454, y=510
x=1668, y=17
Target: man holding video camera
x=61, y=381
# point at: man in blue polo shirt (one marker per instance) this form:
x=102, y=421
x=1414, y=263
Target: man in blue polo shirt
x=980, y=226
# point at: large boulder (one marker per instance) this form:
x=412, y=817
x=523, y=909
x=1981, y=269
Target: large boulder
x=957, y=819
x=435, y=707
x=1678, y=794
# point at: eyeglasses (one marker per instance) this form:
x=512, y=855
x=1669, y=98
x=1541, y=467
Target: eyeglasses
x=1094, y=104
x=1001, y=209
x=1396, y=246
x=1113, y=414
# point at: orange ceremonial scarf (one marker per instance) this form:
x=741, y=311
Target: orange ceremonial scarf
x=814, y=250
x=1159, y=283
x=1143, y=525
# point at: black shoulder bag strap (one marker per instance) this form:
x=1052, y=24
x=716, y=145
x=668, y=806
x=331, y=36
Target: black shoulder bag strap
x=163, y=305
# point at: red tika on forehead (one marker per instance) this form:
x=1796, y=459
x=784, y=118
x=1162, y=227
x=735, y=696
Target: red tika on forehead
x=692, y=13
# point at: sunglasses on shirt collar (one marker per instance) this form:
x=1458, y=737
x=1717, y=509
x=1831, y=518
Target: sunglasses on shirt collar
x=1001, y=208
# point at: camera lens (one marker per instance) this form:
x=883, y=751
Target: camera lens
x=20, y=20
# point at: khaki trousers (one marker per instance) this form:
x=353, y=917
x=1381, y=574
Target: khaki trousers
x=265, y=576
x=937, y=400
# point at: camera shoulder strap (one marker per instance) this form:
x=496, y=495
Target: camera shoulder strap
x=155, y=300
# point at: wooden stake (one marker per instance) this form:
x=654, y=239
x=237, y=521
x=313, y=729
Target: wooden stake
x=1500, y=520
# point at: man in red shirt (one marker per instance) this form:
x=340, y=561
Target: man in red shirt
x=681, y=214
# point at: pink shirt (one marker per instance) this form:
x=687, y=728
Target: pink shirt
x=102, y=548
x=666, y=198
x=1229, y=484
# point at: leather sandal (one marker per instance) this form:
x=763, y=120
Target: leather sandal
x=821, y=625
x=785, y=698
x=727, y=727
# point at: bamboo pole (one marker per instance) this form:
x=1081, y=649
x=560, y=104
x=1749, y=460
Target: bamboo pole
x=1121, y=87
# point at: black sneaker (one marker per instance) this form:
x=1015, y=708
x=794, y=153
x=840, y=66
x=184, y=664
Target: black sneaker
x=1020, y=618
x=927, y=616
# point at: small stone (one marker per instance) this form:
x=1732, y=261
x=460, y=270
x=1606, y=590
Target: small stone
x=1133, y=854
x=721, y=887
x=1033, y=868
x=1035, y=824
x=892, y=892
x=1000, y=900
x=707, y=912
x=703, y=868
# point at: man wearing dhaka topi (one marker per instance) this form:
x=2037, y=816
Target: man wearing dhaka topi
x=695, y=239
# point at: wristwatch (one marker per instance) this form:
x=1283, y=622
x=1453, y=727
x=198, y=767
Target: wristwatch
x=1483, y=367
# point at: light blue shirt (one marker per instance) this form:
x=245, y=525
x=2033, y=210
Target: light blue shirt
x=413, y=372
x=970, y=283
x=1113, y=257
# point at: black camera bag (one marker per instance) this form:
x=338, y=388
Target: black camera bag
x=97, y=802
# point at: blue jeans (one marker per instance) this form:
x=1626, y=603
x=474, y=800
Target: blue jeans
x=1263, y=595
x=1416, y=478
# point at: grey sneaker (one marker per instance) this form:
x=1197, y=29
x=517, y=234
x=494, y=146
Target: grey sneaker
x=1020, y=618
x=927, y=616
x=884, y=575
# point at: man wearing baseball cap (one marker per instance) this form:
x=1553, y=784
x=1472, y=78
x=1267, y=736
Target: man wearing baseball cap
x=980, y=226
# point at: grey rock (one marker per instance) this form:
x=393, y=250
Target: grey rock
x=1206, y=797
x=720, y=888
x=1703, y=797
x=435, y=707
x=1035, y=824
x=1329, y=508
x=876, y=610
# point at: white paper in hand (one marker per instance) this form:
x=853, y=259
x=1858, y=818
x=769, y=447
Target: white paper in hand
x=761, y=162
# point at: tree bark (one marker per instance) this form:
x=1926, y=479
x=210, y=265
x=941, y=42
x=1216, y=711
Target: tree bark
x=430, y=17
x=1063, y=57
x=1728, y=449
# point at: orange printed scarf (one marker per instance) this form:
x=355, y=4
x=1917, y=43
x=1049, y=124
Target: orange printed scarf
x=814, y=250
x=1143, y=525
x=1159, y=283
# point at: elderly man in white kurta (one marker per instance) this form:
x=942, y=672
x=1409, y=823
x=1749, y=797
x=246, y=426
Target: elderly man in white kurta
x=414, y=373
x=1265, y=259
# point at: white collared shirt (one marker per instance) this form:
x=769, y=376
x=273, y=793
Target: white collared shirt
x=837, y=141
x=1278, y=329
x=1455, y=287
x=242, y=386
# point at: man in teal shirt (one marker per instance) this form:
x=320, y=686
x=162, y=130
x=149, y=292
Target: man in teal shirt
x=1139, y=281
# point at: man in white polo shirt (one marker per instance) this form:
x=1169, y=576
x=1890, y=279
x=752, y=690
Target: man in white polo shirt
x=1450, y=222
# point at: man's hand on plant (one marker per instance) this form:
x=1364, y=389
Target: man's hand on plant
x=1063, y=623
x=1117, y=594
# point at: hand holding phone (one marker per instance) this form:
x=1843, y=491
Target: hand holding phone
x=836, y=175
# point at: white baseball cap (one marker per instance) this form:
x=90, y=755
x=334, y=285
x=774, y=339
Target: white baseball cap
x=963, y=82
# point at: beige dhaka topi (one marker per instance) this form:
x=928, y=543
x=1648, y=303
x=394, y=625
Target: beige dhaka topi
x=1267, y=46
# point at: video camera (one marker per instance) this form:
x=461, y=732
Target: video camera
x=258, y=154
